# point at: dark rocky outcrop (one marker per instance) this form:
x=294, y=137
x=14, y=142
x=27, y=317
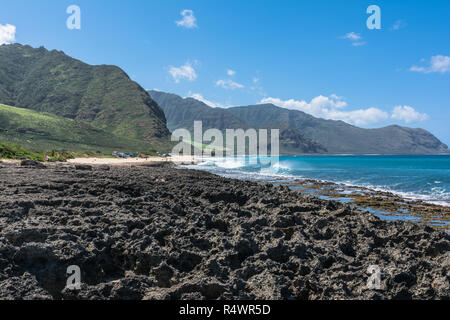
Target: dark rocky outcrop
x=154, y=232
x=32, y=163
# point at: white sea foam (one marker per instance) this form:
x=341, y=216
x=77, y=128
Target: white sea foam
x=240, y=168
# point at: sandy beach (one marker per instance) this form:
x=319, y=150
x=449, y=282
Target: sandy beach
x=131, y=161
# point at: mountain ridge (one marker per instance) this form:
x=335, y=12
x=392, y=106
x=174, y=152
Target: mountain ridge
x=328, y=136
x=104, y=95
x=217, y=118
x=107, y=99
x=340, y=137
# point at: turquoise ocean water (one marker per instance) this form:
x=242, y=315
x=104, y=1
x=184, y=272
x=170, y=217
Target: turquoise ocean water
x=425, y=178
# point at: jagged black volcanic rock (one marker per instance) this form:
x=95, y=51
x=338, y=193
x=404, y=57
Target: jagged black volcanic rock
x=161, y=233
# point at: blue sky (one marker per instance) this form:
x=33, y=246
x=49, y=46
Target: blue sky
x=316, y=56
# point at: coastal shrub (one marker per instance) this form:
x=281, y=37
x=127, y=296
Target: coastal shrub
x=13, y=151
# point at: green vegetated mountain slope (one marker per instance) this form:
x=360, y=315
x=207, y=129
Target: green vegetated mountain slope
x=181, y=113
x=104, y=96
x=44, y=131
x=301, y=132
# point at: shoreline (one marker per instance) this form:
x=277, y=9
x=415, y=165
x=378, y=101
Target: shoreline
x=382, y=203
x=407, y=195
x=293, y=178
x=156, y=232
x=116, y=161
x=131, y=161
x=388, y=205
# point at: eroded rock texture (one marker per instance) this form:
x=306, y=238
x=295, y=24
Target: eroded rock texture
x=162, y=233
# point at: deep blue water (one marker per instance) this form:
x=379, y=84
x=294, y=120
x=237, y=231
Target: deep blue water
x=415, y=177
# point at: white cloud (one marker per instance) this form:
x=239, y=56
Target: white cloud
x=317, y=107
x=399, y=24
x=335, y=97
x=231, y=72
x=331, y=108
x=186, y=72
x=439, y=63
x=199, y=97
x=189, y=21
x=354, y=38
x=7, y=34
x=408, y=114
x=257, y=88
x=229, y=84
x=417, y=69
